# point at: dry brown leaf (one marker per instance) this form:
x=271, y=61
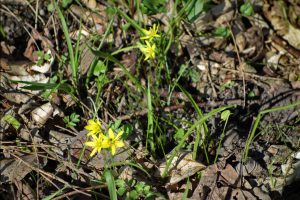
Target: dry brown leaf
x=276, y=14
x=229, y=175
x=16, y=169
x=182, y=166
x=7, y=49
x=25, y=192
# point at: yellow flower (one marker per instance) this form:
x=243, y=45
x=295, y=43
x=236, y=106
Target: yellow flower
x=97, y=144
x=148, y=50
x=94, y=127
x=112, y=141
x=151, y=33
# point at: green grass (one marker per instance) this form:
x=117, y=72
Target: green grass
x=189, y=132
x=256, y=124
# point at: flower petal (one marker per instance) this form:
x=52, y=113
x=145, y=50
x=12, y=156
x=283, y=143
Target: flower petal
x=113, y=150
x=90, y=144
x=119, y=135
x=93, y=152
x=111, y=134
x=119, y=144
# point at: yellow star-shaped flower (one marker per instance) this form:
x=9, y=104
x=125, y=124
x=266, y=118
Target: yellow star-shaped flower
x=112, y=141
x=97, y=144
x=148, y=50
x=94, y=127
x=151, y=33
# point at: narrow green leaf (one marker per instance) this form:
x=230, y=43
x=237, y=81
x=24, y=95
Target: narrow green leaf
x=111, y=184
x=12, y=121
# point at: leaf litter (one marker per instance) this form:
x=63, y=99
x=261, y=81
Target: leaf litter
x=221, y=53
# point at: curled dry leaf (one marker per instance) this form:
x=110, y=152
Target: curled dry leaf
x=182, y=166
x=41, y=114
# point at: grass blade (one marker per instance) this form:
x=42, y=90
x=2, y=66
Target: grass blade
x=111, y=184
x=181, y=143
x=69, y=44
x=150, y=126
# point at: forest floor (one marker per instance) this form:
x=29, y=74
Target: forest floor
x=149, y=99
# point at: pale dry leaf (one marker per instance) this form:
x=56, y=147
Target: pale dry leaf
x=41, y=114
x=17, y=68
x=6, y=49
x=16, y=97
x=91, y=4
x=182, y=166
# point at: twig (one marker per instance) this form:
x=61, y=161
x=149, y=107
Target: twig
x=52, y=176
x=83, y=189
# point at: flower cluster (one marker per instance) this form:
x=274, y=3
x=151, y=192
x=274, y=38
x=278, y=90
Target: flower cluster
x=101, y=141
x=149, y=49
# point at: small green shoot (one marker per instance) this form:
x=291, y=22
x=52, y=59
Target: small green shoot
x=133, y=189
x=247, y=9
x=72, y=120
x=2, y=32
x=225, y=117
x=227, y=85
x=12, y=121
x=251, y=94
x=42, y=57
x=66, y=3
x=222, y=32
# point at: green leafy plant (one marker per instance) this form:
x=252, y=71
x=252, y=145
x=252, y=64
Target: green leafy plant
x=247, y=9
x=133, y=189
x=71, y=120
x=222, y=32
x=227, y=85
x=42, y=57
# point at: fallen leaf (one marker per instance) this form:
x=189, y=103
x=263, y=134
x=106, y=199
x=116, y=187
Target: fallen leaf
x=41, y=114
x=16, y=169
x=182, y=166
